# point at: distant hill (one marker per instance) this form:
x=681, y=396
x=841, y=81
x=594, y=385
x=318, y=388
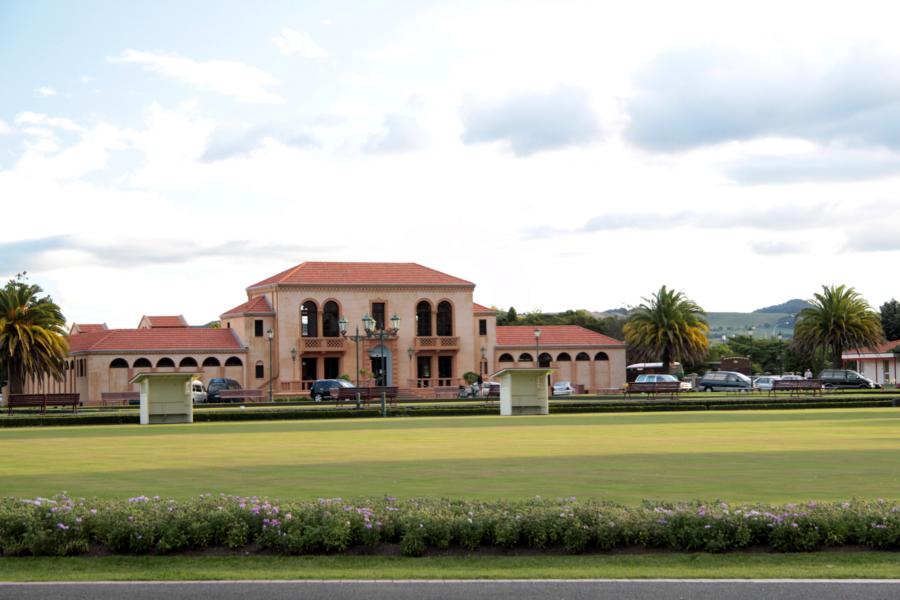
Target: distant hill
x=765, y=322
x=791, y=307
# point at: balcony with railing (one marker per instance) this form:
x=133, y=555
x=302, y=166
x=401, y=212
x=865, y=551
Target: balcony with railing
x=321, y=344
x=436, y=342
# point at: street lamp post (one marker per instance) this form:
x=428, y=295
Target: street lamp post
x=750, y=334
x=369, y=326
x=780, y=337
x=537, y=345
x=294, y=363
x=271, y=334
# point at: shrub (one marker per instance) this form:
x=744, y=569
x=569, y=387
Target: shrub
x=65, y=526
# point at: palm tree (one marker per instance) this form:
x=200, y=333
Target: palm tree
x=32, y=335
x=839, y=319
x=668, y=326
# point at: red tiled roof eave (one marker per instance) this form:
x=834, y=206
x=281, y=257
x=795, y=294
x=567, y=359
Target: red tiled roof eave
x=258, y=305
x=183, y=340
x=362, y=273
x=553, y=336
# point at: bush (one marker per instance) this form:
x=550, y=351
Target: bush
x=65, y=526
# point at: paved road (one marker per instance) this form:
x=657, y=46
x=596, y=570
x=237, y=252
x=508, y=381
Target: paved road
x=468, y=590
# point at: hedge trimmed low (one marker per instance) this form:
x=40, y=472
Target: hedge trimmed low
x=65, y=526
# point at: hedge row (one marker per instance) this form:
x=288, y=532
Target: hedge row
x=65, y=526
x=262, y=414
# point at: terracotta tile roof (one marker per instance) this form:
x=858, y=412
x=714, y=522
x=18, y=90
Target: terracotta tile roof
x=883, y=348
x=88, y=327
x=254, y=306
x=552, y=336
x=361, y=273
x=188, y=339
x=480, y=308
x=165, y=321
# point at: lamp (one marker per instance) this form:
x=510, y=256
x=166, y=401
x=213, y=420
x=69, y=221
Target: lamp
x=410, y=352
x=293, y=354
x=343, y=323
x=537, y=344
x=271, y=335
x=395, y=322
x=368, y=323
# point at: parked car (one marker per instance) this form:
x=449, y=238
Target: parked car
x=845, y=378
x=217, y=384
x=563, y=388
x=321, y=388
x=198, y=392
x=662, y=377
x=490, y=388
x=765, y=382
x=715, y=381
x=792, y=378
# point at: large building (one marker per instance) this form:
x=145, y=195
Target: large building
x=425, y=332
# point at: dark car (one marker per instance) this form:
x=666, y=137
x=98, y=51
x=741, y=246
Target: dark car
x=321, y=388
x=216, y=385
x=845, y=378
x=715, y=381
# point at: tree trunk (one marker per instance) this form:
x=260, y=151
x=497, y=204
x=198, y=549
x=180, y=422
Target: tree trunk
x=666, y=361
x=836, y=361
x=16, y=382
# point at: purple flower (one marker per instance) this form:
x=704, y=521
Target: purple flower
x=62, y=526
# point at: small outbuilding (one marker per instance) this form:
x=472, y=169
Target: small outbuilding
x=524, y=391
x=166, y=397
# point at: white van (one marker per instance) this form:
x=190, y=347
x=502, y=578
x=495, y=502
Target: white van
x=198, y=391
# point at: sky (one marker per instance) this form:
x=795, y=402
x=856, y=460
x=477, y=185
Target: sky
x=158, y=158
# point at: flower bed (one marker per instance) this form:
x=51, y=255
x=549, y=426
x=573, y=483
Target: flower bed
x=66, y=526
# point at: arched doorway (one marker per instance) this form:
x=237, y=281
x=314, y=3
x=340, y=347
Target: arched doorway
x=380, y=365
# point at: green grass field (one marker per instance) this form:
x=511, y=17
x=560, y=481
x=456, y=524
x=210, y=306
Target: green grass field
x=770, y=456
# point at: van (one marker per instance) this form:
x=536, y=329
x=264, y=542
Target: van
x=845, y=378
x=198, y=391
x=717, y=381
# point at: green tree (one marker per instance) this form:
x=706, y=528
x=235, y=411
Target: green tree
x=32, y=334
x=890, y=319
x=668, y=327
x=839, y=319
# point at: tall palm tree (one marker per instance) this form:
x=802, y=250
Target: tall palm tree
x=668, y=326
x=32, y=335
x=839, y=319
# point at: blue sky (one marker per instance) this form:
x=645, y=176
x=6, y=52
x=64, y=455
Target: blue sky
x=559, y=154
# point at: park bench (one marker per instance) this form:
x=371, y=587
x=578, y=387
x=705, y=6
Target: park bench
x=119, y=398
x=367, y=394
x=41, y=401
x=245, y=395
x=797, y=387
x=653, y=388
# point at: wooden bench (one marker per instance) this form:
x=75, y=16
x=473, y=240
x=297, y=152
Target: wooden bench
x=367, y=394
x=246, y=395
x=41, y=401
x=797, y=386
x=119, y=398
x=653, y=388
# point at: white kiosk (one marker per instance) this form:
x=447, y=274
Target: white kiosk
x=166, y=397
x=524, y=391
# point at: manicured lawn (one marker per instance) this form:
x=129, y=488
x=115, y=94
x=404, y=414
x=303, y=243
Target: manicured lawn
x=834, y=565
x=771, y=456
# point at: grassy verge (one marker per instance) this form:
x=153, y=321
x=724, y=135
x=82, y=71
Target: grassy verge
x=836, y=565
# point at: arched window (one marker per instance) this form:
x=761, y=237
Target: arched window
x=309, y=320
x=525, y=357
x=582, y=356
x=423, y=318
x=119, y=363
x=233, y=361
x=544, y=359
x=601, y=356
x=187, y=361
x=260, y=370
x=211, y=361
x=330, y=317
x=506, y=357
x=445, y=318
x=563, y=356
x=142, y=363
x=165, y=362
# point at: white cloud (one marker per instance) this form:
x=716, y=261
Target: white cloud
x=5, y=128
x=33, y=118
x=292, y=41
x=45, y=91
x=245, y=83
